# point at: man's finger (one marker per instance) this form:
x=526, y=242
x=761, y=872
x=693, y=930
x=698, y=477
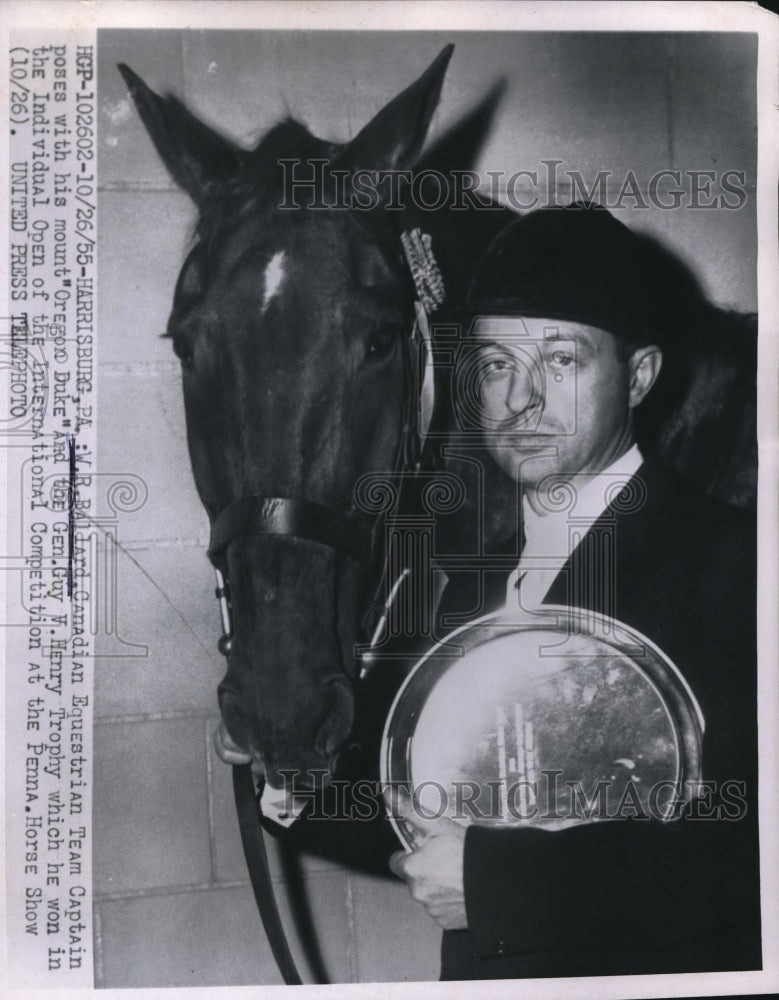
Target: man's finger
x=397, y=863
x=411, y=812
x=226, y=749
x=450, y=918
x=227, y=741
x=229, y=757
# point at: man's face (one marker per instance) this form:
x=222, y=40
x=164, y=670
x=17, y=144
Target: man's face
x=554, y=396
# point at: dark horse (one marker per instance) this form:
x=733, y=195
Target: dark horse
x=289, y=319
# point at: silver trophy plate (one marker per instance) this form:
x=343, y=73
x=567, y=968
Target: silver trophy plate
x=559, y=717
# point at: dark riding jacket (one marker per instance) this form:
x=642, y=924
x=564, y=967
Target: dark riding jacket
x=639, y=896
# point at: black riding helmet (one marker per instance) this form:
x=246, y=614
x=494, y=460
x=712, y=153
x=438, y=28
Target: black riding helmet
x=579, y=263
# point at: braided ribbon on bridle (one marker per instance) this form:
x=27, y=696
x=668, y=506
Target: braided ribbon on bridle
x=427, y=276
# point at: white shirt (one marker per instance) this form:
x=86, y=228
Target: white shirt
x=551, y=537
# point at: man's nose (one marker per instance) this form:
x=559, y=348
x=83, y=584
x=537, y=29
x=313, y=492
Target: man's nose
x=523, y=392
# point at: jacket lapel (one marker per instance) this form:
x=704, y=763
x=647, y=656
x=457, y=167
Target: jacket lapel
x=608, y=552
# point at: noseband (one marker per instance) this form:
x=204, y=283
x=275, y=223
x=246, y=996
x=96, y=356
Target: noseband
x=258, y=515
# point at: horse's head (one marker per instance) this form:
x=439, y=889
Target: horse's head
x=289, y=324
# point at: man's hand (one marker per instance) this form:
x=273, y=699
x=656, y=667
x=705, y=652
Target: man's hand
x=434, y=872
x=227, y=749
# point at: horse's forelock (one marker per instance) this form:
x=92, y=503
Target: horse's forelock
x=289, y=139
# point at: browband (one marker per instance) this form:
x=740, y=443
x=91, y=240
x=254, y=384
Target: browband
x=258, y=515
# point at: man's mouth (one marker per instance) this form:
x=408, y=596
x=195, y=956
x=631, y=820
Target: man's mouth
x=536, y=440
x=529, y=433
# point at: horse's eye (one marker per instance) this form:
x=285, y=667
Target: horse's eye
x=382, y=341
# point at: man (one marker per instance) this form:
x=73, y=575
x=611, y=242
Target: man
x=569, y=319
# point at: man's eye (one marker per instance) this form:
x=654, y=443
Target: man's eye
x=496, y=366
x=562, y=359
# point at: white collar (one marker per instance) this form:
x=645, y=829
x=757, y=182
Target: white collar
x=585, y=502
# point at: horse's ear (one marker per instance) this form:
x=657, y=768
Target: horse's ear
x=194, y=154
x=394, y=138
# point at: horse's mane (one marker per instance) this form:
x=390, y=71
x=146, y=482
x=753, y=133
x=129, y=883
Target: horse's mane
x=700, y=418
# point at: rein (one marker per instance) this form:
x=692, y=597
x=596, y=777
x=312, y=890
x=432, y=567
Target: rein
x=348, y=534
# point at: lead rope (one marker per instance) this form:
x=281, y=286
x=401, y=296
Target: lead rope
x=430, y=291
x=248, y=809
x=253, y=840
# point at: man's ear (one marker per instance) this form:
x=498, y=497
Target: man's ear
x=645, y=365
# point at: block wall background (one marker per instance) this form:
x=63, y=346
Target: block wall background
x=173, y=904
